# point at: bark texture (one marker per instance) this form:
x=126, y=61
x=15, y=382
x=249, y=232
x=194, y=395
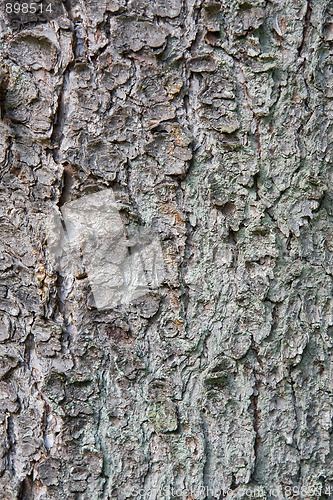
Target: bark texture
x=210, y=120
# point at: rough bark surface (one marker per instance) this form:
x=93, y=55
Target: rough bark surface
x=210, y=120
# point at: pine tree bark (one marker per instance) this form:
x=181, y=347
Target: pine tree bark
x=210, y=121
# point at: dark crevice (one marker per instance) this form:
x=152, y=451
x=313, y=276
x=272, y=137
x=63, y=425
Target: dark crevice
x=10, y=442
x=255, y=184
x=25, y=491
x=29, y=344
x=4, y=78
x=8, y=158
x=67, y=4
x=67, y=182
x=258, y=139
x=228, y=209
x=207, y=453
x=306, y=27
x=255, y=411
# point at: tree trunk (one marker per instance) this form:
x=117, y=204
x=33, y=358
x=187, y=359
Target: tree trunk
x=208, y=121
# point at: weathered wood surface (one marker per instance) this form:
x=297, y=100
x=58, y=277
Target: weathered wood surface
x=210, y=120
